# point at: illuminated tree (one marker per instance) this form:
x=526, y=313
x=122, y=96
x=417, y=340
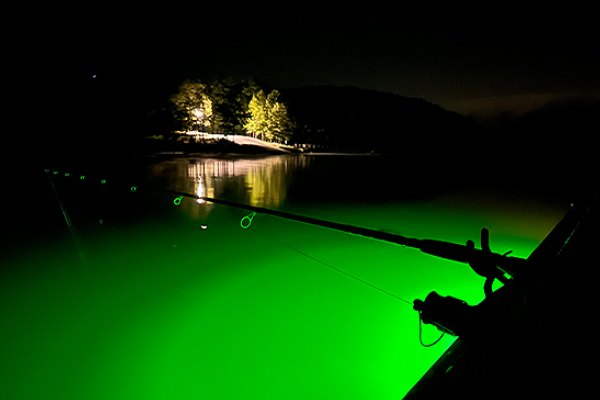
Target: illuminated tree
x=193, y=106
x=230, y=104
x=230, y=107
x=268, y=117
x=279, y=123
x=256, y=125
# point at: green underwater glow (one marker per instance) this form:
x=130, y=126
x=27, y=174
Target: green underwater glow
x=167, y=309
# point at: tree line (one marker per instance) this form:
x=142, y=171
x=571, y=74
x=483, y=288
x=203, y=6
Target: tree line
x=231, y=107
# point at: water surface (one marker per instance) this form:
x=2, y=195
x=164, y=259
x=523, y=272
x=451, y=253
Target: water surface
x=132, y=292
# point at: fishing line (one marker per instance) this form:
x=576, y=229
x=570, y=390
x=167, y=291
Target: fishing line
x=246, y=222
x=69, y=224
x=338, y=269
x=421, y=335
x=436, y=341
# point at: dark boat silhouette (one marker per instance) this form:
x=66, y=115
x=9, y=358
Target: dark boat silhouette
x=535, y=337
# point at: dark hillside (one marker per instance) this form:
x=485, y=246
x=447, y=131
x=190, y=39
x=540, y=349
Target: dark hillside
x=428, y=142
x=555, y=145
x=349, y=117
x=549, y=150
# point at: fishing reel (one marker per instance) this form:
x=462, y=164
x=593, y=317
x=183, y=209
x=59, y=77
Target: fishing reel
x=448, y=314
x=452, y=315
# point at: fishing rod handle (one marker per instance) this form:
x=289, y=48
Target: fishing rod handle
x=460, y=253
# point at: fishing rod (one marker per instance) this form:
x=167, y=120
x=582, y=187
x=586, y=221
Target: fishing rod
x=68, y=222
x=447, y=313
x=446, y=250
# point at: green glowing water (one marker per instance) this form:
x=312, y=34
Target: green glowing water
x=175, y=303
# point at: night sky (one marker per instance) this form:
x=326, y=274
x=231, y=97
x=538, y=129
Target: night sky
x=467, y=61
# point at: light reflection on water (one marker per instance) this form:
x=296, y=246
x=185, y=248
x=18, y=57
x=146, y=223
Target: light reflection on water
x=327, y=183
x=257, y=181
